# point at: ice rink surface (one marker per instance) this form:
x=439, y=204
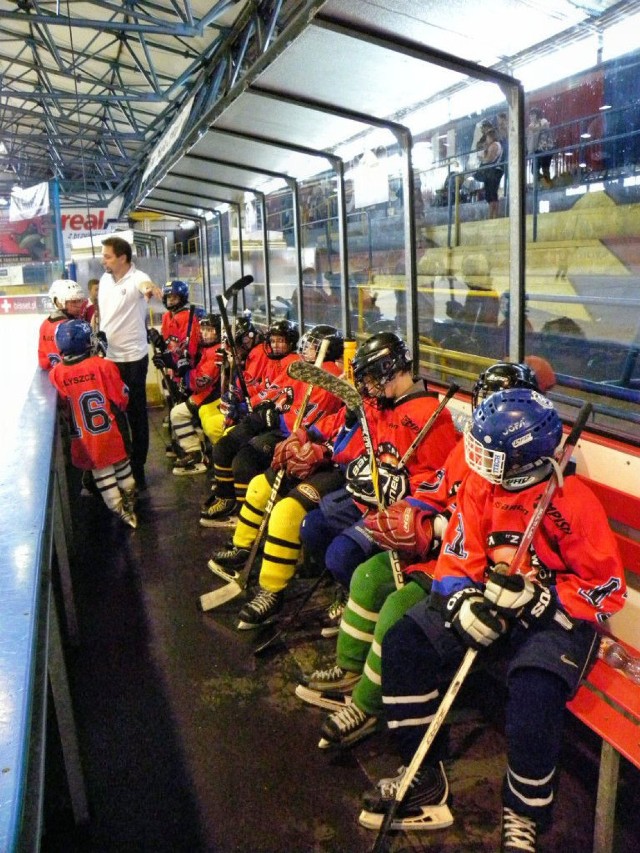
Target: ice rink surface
x=19, y=359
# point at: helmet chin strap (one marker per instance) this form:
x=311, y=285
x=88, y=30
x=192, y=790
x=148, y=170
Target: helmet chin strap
x=517, y=481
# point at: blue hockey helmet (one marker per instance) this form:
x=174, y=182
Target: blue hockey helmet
x=512, y=438
x=73, y=337
x=175, y=288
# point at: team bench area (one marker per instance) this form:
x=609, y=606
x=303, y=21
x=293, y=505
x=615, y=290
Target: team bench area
x=608, y=702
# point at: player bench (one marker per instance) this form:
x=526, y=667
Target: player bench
x=608, y=702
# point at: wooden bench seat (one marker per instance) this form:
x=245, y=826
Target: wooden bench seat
x=608, y=702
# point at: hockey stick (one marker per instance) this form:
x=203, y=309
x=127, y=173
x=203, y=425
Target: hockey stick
x=172, y=388
x=232, y=346
x=470, y=654
x=238, y=582
x=426, y=428
x=281, y=635
x=238, y=285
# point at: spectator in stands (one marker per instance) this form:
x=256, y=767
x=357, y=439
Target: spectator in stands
x=491, y=171
x=320, y=305
x=539, y=141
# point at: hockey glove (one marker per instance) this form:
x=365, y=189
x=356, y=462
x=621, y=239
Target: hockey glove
x=517, y=596
x=309, y=458
x=288, y=448
x=393, y=483
x=401, y=527
x=473, y=618
x=163, y=360
x=100, y=344
x=266, y=416
x=232, y=406
x=183, y=365
x=156, y=340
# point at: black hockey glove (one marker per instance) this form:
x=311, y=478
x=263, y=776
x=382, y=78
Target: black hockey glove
x=393, y=483
x=156, y=340
x=265, y=416
x=100, y=344
x=162, y=360
x=473, y=618
x=517, y=596
x=183, y=366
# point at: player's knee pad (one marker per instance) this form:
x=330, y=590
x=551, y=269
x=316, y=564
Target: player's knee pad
x=371, y=582
x=286, y=520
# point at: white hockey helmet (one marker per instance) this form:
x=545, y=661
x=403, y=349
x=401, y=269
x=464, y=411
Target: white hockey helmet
x=65, y=290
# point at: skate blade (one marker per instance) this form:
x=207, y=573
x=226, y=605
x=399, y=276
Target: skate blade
x=229, y=575
x=251, y=626
x=330, y=701
x=229, y=521
x=430, y=818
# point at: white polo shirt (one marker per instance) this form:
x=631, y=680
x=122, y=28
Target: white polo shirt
x=123, y=314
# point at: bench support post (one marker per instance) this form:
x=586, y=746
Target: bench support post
x=606, y=800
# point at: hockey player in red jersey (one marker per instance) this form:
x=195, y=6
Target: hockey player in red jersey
x=69, y=302
x=413, y=527
x=204, y=385
x=247, y=449
x=542, y=621
x=96, y=399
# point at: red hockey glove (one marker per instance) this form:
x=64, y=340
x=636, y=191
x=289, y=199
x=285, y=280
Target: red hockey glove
x=473, y=618
x=288, y=448
x=401, y=527
x=517, y=596
x=309, y=458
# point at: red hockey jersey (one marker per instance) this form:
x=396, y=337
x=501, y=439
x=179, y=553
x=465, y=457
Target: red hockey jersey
x=573, y=552
x=48, y=352
x=174, y=330
x=93, y=390
x=204, y=378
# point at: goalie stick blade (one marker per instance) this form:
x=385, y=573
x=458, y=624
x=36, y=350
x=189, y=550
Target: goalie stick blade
x=306, y=372
x=218, y=597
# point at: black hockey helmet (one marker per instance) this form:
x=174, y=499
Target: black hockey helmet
x=73, y=337
x=246, y=336
x=283, y=329
x=499, y=377
x=378, y=360
x=212, y=322
x=311, y=340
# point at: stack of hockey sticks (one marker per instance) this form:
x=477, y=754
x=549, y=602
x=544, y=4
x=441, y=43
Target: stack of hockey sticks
x=237, y=581
x=470, y=654
x=224, y=316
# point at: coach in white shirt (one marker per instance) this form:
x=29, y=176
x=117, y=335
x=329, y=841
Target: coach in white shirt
x=124, y=294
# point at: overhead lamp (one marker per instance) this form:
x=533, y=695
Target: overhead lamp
x=186, y=224
x=585, y=136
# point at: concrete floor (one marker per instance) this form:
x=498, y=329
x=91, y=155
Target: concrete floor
x=191, y=743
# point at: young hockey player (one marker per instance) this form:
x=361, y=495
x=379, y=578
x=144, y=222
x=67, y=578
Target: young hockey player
x=202, y=404
x=96, y=398
x=69, y=302
x=173, y=352
x=541, y=619
x=247, y=449
x=413, y=528
x=382, y=368
x=400, y=405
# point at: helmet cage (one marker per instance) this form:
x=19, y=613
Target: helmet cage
x=489, y=464
x=311, y=340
